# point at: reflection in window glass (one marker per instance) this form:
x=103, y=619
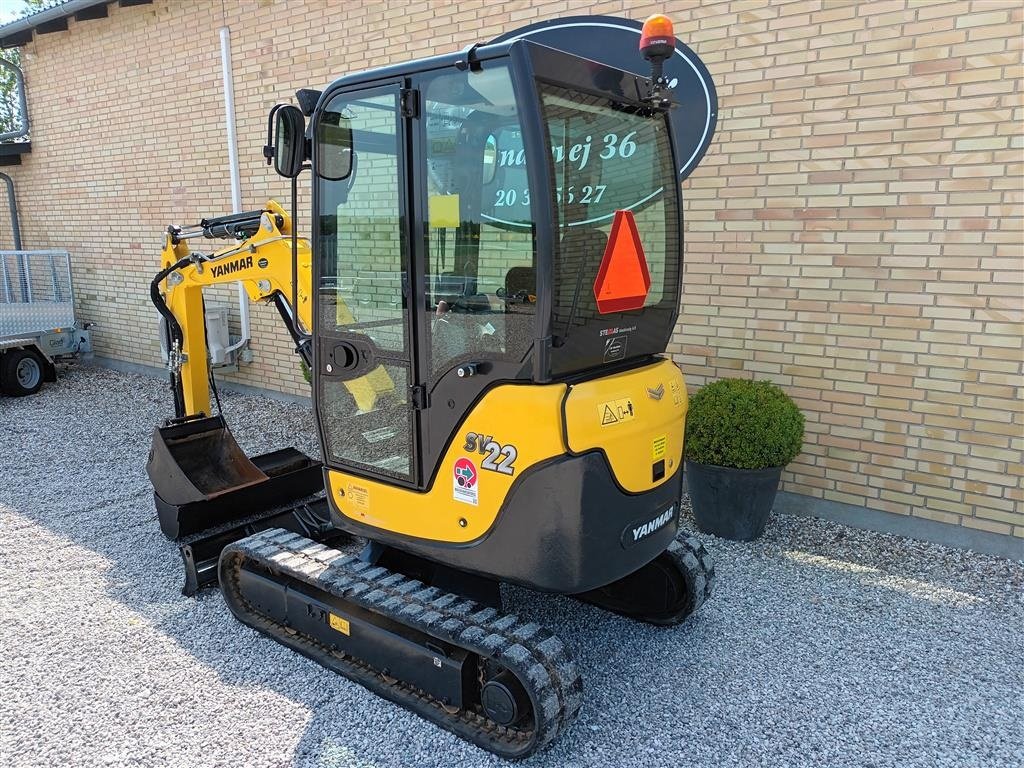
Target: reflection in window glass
x=362, y=265
x=607, y=159
x=367, y=420
x=379, y=437
x=481, y=274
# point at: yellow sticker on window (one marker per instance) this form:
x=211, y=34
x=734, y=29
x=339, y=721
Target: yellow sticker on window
x=339, y=624
x=615, y=411
x=658, y=447
x=443, y=211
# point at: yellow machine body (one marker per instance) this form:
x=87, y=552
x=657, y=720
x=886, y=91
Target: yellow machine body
x=635, y=418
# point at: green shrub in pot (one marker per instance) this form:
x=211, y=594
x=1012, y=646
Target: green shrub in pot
x=739, y=436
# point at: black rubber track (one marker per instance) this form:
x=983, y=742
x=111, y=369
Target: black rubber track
x=537, y=658
x=676, y=583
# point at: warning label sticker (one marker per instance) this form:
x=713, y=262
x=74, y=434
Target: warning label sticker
x=339, y=624
x=615, y=411
x=658, y=447
x=358, y=496
x=465, y=482
x=677, y=393
x=615, y=348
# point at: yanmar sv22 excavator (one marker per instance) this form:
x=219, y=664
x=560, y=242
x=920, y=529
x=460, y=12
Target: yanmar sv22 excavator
x=494, y=273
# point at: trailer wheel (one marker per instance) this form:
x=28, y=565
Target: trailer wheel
x=21, y=372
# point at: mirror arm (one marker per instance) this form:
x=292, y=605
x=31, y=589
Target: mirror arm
x=295, y=250
x=268, y=148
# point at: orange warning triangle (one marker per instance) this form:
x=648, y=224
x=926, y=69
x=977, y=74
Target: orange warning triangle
x=622, y=280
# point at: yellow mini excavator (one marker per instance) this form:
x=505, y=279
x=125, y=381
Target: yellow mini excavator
x=494, y=272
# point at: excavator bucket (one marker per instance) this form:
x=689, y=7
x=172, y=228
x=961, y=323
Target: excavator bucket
x=202, y=479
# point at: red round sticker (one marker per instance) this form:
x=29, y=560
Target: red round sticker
x=465, y=473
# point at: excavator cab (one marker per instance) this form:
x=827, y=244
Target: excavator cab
x=494, y=273
x=465, y=238
x=497, y=245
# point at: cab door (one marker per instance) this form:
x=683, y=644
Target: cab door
x=366, y=379
x=476, y=244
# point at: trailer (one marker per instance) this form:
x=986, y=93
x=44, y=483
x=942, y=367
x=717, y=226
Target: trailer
x=38, y=328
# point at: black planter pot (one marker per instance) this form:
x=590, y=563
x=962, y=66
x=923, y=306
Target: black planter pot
x=732, y=503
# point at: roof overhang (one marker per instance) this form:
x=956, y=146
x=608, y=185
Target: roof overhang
x=11, y=152
x=21, y=31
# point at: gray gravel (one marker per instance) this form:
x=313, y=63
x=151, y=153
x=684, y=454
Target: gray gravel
x=823, y=645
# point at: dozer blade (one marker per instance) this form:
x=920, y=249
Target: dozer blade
x=200, y=552
x=507, y=685
x=202, y=479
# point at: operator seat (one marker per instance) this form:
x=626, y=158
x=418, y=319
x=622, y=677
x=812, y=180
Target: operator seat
x=520, y=279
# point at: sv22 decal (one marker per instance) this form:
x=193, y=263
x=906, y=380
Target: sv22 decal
x=493, y=451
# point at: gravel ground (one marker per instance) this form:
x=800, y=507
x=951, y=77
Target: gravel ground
x=823, y=645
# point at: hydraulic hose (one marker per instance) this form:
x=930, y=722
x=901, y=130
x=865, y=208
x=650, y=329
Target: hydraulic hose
x=303, y=343
x=174, y=332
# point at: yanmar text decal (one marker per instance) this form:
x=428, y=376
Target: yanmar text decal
x=219, y=270
x=640, y=530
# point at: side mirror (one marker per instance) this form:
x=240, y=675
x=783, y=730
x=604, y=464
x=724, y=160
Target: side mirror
x=333, y=147
x=289, y=141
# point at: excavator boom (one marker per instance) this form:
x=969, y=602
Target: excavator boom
x=262, y=262
x=208, y=492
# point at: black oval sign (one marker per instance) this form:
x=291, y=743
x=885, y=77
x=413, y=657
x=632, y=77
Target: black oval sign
x=615, y=42
x=640, y=529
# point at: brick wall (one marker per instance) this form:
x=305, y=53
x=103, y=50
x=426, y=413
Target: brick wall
x=855, y=235
x=854, y=232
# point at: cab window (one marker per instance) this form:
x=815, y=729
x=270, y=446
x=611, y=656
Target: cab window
x=481, y=258
x=608, y=157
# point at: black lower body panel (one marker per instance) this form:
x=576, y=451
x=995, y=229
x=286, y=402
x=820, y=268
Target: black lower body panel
x=566, y=526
